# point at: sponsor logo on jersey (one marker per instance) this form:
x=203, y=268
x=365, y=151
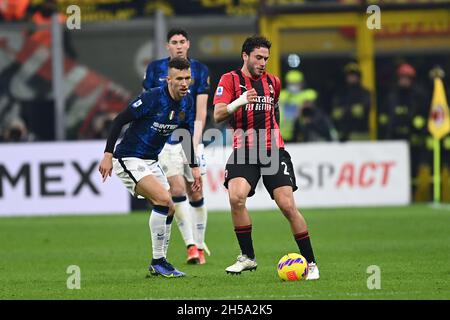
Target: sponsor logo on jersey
x=261, y=103
x=163, y=128
x=219, y=91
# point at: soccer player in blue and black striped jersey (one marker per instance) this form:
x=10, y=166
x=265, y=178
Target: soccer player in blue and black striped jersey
x=154, y=116
x=192, y=226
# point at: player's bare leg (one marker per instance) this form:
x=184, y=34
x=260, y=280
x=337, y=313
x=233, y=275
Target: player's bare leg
x=163, y=209
x=284, y=198
x=199, y=217
x=182, y=216
x=150, y=188
x=238, y=190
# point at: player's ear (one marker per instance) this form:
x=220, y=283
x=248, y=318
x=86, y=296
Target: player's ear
x=188, y=44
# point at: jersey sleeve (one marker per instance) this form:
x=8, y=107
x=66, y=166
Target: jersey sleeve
x=142, y=105
x=225, y=90
x=277, y=89
x=148, y=77
x=203, y=87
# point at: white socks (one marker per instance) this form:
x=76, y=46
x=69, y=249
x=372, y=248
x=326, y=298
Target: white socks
x=168, y=232
x=199, y=218
x=157, y=224
x=183, y=219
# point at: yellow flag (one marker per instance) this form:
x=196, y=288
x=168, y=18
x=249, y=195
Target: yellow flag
x=439, y=120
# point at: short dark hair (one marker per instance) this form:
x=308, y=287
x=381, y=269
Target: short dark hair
x=255, y=42
x=175, y=31
x=179, y=63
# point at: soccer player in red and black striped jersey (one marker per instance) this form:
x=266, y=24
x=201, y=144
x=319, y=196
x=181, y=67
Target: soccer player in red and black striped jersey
x=248, y=99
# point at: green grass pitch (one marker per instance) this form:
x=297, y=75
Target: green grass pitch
x=411, y=245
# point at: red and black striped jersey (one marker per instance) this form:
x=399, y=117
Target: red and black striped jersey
x=254, y=124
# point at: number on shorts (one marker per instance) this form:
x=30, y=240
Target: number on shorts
x=285, y=168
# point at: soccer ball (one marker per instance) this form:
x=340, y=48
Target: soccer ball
x=292, y=267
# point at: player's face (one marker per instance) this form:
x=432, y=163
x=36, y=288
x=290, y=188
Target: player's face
x=256, y=62
x=179, y=81
x=178, y=46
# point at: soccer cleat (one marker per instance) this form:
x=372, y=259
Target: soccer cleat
x=193, y=256
x=313, y=272
x=165, y=269
x=243, y=263
x=205, y=247
x=201, y=257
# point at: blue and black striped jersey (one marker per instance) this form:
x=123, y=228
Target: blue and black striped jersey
x=155, y=117
x=157, y=71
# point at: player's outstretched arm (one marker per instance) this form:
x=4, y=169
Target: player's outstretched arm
x=223, y=111
x=105, y=167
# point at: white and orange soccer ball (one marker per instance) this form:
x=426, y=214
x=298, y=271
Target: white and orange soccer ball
x=292, y=267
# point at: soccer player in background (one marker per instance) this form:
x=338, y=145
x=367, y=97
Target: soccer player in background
x=248, y=98
x=192, y=225
x=154, y=116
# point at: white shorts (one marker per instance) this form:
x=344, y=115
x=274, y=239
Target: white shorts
x=131, y=170
x=174, y=162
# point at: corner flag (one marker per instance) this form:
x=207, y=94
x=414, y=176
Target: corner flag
x=439, y=126
x=439, y=120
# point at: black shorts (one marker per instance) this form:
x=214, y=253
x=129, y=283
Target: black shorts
x=274, y=175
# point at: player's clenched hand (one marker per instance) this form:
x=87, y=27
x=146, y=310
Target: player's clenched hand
x=251, y=95
x=197, y=185
x=105, y=167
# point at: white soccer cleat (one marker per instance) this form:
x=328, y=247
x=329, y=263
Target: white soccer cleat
x=313, y=271
x=205, y=247
x=243, y=263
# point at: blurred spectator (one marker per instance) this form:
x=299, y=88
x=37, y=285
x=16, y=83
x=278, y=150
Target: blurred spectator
x=312, y=124
x=291, y=102
x=13, y=10
x=405, y=112
x=405, y=107
x=42, y=18
x=39, y=113
x=351, y=106
x=16, y=131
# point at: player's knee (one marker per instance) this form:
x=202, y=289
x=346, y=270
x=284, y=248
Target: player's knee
x=164, y=200
x=176, y=191
x=288, y=208
x=177, y=188
x=237, y=200
x=195, y=196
